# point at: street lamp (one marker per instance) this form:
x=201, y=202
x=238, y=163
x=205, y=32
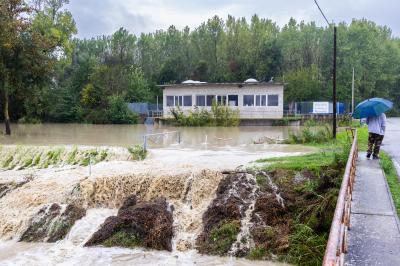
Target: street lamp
x=334, y=71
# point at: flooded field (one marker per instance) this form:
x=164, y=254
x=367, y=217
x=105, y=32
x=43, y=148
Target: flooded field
x=127, y=135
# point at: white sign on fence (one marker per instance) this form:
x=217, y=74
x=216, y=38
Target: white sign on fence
x=320, y=107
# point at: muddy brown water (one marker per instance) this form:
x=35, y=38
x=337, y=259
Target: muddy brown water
x=199, y=147
x=125, y=135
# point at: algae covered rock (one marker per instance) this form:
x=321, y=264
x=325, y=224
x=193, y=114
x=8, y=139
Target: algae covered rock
x=52, y=223
x=138, y=223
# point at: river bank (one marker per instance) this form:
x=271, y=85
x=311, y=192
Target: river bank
x=37, y=196
x=258, y=201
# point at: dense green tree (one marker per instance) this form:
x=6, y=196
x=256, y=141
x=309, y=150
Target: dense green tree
x=75, y=80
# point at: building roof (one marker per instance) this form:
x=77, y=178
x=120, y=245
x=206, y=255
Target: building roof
x=204, y=84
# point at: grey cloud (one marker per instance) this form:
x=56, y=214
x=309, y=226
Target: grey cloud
x=98, y=17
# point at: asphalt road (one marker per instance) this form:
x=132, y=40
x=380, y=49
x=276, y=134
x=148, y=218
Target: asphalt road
x=391, y=142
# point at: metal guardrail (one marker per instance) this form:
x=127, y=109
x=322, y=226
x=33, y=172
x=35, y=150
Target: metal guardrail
x=337, y=242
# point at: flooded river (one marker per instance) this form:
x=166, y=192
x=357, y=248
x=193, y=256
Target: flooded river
x=127, y=135
x=168, y=170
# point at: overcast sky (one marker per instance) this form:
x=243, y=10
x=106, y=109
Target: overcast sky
x=98, y=17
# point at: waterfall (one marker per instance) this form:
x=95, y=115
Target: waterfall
x=84, y=228
x=243, y=239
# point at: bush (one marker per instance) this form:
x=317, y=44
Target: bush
x=312, y=134
x=220, y=115
x=137, y=152
x=118, y=111
x=29, y=120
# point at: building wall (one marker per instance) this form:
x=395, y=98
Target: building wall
x=246, y=112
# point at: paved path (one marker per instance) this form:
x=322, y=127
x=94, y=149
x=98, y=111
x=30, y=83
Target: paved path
x=374, y=236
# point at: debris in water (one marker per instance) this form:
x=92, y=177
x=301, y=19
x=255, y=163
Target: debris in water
x=138, y=223
x=52, y=223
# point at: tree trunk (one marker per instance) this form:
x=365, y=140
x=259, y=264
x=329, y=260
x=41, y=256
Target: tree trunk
x=6, y=115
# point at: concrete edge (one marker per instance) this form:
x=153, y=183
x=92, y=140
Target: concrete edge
x=395, y=214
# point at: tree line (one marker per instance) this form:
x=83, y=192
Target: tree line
x=48, y=75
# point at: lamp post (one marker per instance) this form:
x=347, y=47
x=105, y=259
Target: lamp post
x=334, y=100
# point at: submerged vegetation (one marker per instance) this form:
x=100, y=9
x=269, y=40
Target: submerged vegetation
x=21, y=157
x=223, y=236
x=220, y=115
x=137, y=152
x=122, y=239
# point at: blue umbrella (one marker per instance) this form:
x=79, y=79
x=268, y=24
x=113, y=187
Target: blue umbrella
x=372, y=107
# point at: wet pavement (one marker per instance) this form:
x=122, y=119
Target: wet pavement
x=374, y=235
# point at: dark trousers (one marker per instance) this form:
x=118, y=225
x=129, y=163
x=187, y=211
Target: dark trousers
x=374, y=143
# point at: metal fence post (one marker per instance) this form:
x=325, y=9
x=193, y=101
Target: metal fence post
x=90, y=164
x=144, y=143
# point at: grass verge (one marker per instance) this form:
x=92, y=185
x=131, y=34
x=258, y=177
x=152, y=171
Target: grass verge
x=392, y=179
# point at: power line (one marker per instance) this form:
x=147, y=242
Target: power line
x=322, y=12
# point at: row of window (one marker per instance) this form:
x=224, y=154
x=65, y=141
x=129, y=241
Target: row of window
x=231, y=100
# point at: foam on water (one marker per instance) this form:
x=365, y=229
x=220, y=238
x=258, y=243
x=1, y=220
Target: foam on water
x=64, y=254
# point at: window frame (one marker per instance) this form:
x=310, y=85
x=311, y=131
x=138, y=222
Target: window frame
x=168, y=98
x=197, y=100
x=236, y=99
x=209, y=104
x=261, y=100
x=248, y=96
x=277, y=100
x=186, y=97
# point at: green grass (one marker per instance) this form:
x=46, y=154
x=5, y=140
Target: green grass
x=122, y=239
x=258, y=253
x=224, y=236
x=312, y=162
x=392, y=178
x=307, y=247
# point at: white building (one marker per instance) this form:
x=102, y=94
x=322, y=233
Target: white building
x=254, y=100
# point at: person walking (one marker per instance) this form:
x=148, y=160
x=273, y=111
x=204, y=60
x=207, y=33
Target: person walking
x=376, y=130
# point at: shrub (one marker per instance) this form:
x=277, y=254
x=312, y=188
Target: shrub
x=312, y=134
x=220, y=115
x=29, y=120
x=118, y=111
x=137, y=152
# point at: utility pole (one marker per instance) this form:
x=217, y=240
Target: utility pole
x=334, y=100
x=334, y=82
x=352, y=93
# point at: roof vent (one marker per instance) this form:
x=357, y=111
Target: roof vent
x=188, y=81
x=192, y=82
x=251, y=81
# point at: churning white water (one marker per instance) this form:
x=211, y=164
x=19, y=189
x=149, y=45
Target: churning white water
x=84, y=228
x=243, y=239
x=187, y=177
x=71, y=251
